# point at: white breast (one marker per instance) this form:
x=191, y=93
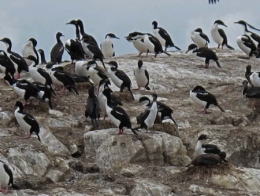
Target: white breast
x=158, y=36
x=198, y=149
x=81, y=68
x=111, y=117
x=4, y=177
x=149, y=121
x=92, y=73
x=196, y=99
x=139, y=45
x=36, y=76
x=19, y=117
x=114, y=78
x=198, y=40
x=86, y=50
x=216, y=36
x=140, y=77
x=242, y=46
x=254, y=78
x=27, y=50
x=149, y=45
x=107, y=48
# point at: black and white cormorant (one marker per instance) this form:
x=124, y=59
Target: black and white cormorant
x=18, y=61
x=119, y=77
x=42, y=56
x=250, y=92
x=206, y=53
x=200, y=96
x=6, y=65
x=29, y=49
x=199, y=38
x=117, y=115
x=26, y=121
x=141, y=76
x=6, y=178
x=255, y=37
x=163, y=36
x=219, y=35
x=91, y=40
x=107, y=46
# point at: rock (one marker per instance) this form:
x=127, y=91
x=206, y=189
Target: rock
x=6, y=118
x=29, y=162
x=146, y=187
x=118, y=151
x=131, y=171
x=53, y=145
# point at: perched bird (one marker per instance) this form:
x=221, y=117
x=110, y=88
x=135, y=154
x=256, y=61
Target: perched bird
x=246, y=44
x=23, y=88
x=141, y=76
x=18, y=61
x=117, y=115
x=29, y=49
x=92, y=107
x=73, y=46
x=208, y=159
x=206, y=53
x=107, y=46
x=219, y=35
x=113, y=101
x=153, y=45
x=95, y=72
x=199, y=38
x=57, y=50
x=26, y=121
x=44, y=93
x=6, y=178
x=63, y=80
x=205, y=148
x=42, y=55
x=39, y=74
x=255, y=37
x=81, y=67
x=200, y=96
x=6, y=65
x=119, y=77
x=92, y=50
x=252, y=77
x=138, y=41
x=163, y=36
x=149, y=116
x=91, y=40
x=253, y=92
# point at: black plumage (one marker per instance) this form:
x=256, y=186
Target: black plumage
x=204, y=98
x=23, y=88
x=203, y=35
x=208, y=159
x=92, y=50
x=26, y=121
x=164, y=35
x=19, y=62
x=64, y=78
x=248, y=42
x=44, y=93
x=117, y=74
x=6, y=65
x=117, y=115
x=213, y=1
x=42, y=55
x=57, y=50
x=92, y=107
x=157, y=45
x=90, y=39
x=204, y=52
x=252, y=92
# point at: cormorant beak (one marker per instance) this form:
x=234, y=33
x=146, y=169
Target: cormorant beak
x=117, y=37
x=225, y=25
x=236, y=22
x=187, y=51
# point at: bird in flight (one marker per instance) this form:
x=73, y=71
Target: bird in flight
x=213, y=1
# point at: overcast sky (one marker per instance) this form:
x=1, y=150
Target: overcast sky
x=42, y=19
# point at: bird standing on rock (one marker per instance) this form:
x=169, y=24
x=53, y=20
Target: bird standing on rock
x=141, y=76
x=200, y=96
x=204, y=52
x=26, y=121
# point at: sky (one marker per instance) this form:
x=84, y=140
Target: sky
x=42, y=19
